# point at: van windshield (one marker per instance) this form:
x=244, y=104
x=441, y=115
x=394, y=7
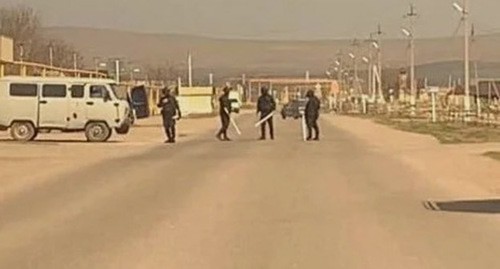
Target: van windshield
x=115, y=89
x=119, y=91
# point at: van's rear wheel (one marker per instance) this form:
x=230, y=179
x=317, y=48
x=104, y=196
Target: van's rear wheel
x=97, y=132
x=23, y=131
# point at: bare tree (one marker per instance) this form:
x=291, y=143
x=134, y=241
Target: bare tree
x=22, y=23
x=63, y=53
x=165, y=72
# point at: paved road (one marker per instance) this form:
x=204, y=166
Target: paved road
x=246, y=204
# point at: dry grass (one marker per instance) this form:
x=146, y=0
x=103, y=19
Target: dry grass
x=493, y=154
x=446, y=133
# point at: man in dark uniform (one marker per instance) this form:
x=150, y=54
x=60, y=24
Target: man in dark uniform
x=224, y=112
x=312, y=114
x=169, y=110
x=265, y=106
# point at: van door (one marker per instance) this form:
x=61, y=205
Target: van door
x=77, y=107
x=98, y=107
x=140, y=102
x=53, y=112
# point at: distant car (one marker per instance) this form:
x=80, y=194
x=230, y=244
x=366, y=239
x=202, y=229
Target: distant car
x=294, y=109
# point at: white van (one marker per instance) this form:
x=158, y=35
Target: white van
x=32, y=104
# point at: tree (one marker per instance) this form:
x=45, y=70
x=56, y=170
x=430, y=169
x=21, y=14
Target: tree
x=63, y=53
x=165, y=72
x=22, y=23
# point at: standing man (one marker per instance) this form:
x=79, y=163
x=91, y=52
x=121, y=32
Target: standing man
x=225, y=114
x=170, y=111
x=265, y=106
x=312, y=114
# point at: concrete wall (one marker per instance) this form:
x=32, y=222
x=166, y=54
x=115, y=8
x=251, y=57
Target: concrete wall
x=196, y=100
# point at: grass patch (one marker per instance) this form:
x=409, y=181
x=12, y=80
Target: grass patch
x=493, y=154
x=446, y=133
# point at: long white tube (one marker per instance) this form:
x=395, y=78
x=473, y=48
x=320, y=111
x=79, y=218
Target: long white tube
x=304, y=131
x=233, y=122
x=264, y=119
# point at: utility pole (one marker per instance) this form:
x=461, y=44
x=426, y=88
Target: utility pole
x=476, y=74
x=379, y=59
x=371, y=80
x=117, y=71
x=466, y=56
x=464, y=10
x=190, y=70
x=340, y=78
x=411, y=15
x=355, y=44
x=21, y=52
x=211, y=79
x=75, y=62
x=51, y=55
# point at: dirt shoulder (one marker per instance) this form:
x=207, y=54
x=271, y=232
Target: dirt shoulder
x=24, y=166
x=461, y=167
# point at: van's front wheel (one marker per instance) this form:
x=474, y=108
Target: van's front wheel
x=97, y=132
x=23, y=131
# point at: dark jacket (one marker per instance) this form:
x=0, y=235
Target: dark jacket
x=224, y=105
x=312, y=107
x=169, y=106
x=266, y=104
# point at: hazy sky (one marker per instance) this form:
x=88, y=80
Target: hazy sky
x=264, y=19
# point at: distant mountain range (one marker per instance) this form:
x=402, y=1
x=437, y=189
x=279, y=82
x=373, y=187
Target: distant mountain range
x=437, y=57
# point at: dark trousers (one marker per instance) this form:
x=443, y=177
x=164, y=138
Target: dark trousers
x=312, y=124
x=268, y=122
x=225, y=120
x=169, y=124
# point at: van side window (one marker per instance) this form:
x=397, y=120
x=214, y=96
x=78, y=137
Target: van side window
x=97, y=91
x=54, y=91
x=23, y=90
x=77, y=91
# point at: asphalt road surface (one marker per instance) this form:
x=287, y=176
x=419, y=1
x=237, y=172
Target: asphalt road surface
x=338, y=203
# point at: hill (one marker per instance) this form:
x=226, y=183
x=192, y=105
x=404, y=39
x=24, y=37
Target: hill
x=257, y=57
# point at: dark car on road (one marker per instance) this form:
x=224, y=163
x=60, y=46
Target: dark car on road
x=294, y=109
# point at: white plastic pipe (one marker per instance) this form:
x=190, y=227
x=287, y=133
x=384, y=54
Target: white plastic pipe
x=233, y=122
x=264, y=119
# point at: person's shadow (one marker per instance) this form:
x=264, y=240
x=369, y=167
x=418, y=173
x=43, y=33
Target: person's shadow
x=490, y=206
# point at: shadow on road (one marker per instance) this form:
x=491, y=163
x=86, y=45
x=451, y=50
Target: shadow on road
x=55, y=141
x=491, y=206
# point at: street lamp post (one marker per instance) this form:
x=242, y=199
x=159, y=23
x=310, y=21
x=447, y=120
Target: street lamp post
x=413, y=91
x=410, y=33
x=464, y=10
x=367, y=60
x=355, y=67
x=378, y=74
